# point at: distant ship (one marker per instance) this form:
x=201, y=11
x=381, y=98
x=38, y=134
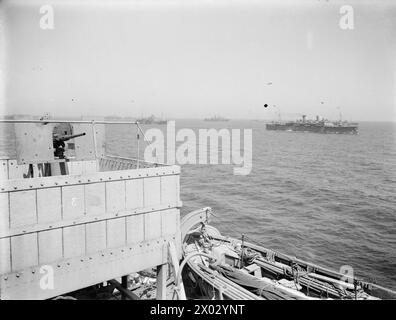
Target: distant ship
x=217, y=118
x=317, y=126
x=151, y=120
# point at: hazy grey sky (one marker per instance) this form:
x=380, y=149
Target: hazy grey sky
x=199, y=58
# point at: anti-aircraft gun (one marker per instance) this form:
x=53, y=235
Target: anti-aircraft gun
x=59, y=143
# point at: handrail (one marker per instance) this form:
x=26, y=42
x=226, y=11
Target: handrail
x=92, y=123
x=136, y=159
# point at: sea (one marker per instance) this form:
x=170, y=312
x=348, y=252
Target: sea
x=329, y=199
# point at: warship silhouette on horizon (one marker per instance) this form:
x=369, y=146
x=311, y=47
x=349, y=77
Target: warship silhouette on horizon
x=216, y=118
x=317, y=126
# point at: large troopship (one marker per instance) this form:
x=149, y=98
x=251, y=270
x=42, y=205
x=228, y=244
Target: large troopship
x=318, y=126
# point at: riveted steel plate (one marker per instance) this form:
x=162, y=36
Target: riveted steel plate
x=84, y=146
x=34, y=142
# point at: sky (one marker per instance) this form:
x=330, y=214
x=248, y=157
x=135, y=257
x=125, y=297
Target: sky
x=194, y=59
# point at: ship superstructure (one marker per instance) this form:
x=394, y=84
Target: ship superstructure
x=317, y=125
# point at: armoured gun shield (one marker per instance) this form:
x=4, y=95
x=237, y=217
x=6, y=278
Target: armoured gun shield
x=33, y=143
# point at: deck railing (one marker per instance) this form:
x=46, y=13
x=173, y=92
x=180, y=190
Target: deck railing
x=104, y=160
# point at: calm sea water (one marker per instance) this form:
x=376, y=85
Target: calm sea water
x=329, y=199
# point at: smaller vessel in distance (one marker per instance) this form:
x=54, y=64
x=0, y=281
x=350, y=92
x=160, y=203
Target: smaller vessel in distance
x=317, y=126
x=217, y=118
x=151, y=120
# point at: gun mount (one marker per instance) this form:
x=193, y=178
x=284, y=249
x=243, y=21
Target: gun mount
x=89, y=218
x=59, y=143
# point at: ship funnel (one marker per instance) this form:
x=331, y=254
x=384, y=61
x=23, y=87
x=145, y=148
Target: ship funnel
x=317, y=118
x=304, y=116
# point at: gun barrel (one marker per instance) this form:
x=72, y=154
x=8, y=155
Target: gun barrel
x=72, y=136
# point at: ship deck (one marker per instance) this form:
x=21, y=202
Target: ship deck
x=87, y=222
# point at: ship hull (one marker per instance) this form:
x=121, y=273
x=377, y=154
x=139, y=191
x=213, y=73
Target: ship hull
x=312, y=128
